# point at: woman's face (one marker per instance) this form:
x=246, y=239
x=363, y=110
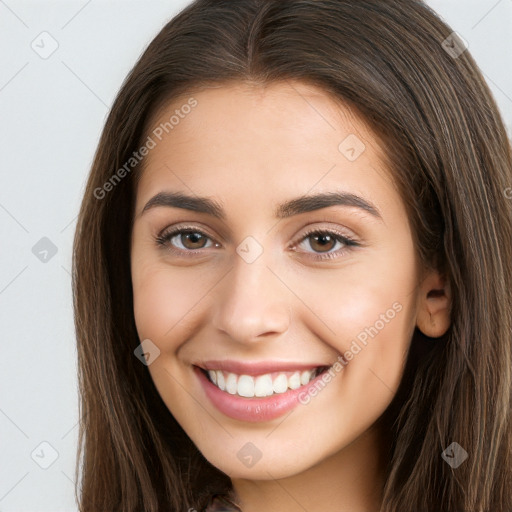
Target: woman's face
x=254, y=293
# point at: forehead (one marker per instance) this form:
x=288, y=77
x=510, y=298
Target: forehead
x=286, y=138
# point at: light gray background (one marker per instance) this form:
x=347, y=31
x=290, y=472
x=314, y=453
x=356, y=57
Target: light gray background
x=52, y=111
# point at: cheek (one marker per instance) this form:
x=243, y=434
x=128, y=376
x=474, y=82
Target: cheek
x=369, y=311
x=372, y=331
x=165, y=300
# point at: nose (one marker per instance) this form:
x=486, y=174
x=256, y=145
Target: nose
x=252, y=302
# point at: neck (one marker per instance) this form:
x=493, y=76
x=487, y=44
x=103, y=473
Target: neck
x=350, y=480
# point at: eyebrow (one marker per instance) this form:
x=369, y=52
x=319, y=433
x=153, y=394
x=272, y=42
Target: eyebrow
x=296, y=206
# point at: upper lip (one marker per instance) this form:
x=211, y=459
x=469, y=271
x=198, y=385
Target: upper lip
x=257, y=367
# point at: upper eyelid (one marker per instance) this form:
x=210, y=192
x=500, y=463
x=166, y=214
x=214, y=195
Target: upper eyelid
x=199, y=227
x=172, y=229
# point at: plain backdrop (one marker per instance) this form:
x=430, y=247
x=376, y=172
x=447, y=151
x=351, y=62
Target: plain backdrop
x=61, y=65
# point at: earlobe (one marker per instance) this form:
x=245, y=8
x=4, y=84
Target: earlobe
x=434, y=306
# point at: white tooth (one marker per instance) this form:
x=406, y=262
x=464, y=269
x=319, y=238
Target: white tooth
x=263, y=385
x=280, y=383
x=213, y=376
x=245, y=386
x=294, y=381
x=305, y=377
x=231, y=385
x=221, y=382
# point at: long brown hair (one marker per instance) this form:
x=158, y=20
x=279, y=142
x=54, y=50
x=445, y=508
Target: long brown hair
x=449, y=154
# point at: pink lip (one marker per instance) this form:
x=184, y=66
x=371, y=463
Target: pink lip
x=258, y=368
x=253, y=409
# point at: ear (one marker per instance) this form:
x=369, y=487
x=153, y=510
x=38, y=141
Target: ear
x=434, y=305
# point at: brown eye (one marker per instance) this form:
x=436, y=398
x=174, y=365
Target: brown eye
x=192, y=240
x=184, y=240
x=322, y=242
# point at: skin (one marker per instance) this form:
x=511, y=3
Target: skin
x=251, y=148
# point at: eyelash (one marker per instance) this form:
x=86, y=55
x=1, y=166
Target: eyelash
x=165, y=237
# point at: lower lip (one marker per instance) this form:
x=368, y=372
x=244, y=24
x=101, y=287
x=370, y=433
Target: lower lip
x=253, y=409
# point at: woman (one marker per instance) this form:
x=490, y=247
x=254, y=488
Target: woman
x=292, y=269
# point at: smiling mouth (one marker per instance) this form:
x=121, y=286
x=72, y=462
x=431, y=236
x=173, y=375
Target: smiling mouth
x=268, y=384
